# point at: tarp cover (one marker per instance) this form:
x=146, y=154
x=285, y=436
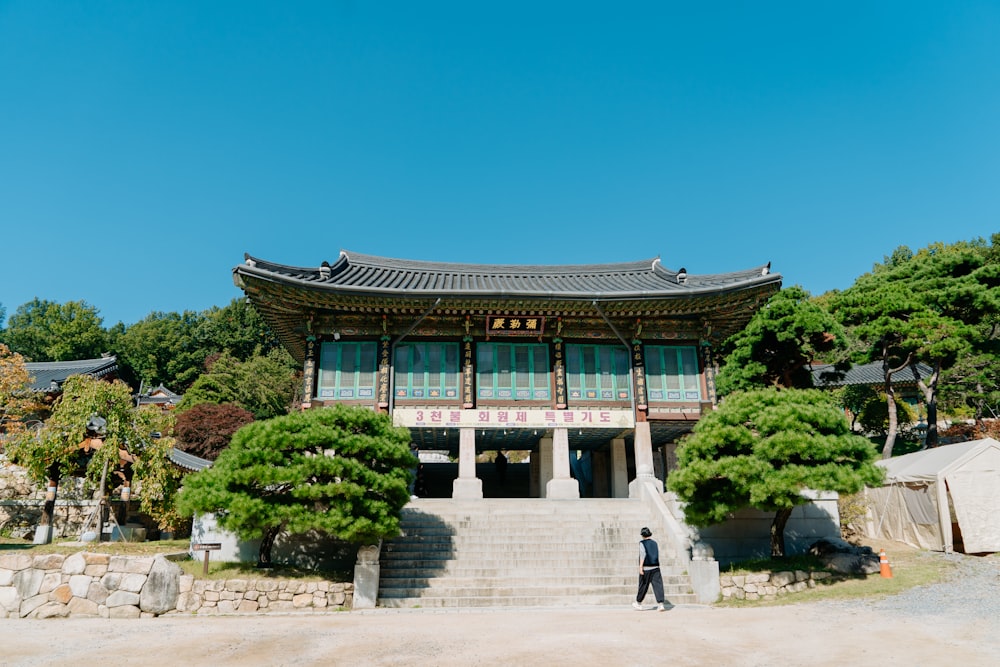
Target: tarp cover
x=925, y=492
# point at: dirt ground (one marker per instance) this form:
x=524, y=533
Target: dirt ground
x=802, y=634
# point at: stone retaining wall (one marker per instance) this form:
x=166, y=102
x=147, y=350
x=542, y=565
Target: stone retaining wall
x=768, y=585
x=101, y=585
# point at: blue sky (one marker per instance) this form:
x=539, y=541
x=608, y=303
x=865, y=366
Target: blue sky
x=145, y=146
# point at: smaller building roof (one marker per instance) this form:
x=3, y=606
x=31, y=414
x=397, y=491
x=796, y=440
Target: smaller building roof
x=188, y=461
x=48, y=376
x=824, y=375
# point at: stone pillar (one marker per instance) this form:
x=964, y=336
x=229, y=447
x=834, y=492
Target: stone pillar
x=643, y=459
x=366, y=575
x=467, y=485
x=561, y=485
x=544, y=465
x=619, y=469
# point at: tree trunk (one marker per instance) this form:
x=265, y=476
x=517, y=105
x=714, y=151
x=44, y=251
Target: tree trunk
x=929, y=390
x=778, y=532
x=266, y=542
x=890, y=401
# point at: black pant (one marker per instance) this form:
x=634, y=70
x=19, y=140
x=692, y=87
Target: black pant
x=645, y=579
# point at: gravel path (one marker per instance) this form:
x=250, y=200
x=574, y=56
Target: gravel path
x=957, y=622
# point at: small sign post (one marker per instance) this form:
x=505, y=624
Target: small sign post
x=206, y=547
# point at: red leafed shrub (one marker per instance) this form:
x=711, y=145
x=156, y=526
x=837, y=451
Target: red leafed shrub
x=205, y=429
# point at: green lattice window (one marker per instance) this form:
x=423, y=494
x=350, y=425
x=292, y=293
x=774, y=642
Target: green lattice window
x=347, y=370
x=513, y=371
x=672, y=373
x=597, y=372
x=426, y=370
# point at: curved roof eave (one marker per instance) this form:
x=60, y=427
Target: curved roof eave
x=382, y=277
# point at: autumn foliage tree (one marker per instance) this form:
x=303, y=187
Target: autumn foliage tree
x=206, y=429
x=341, y=470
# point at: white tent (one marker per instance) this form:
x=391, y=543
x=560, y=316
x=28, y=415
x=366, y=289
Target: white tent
x=926, y=492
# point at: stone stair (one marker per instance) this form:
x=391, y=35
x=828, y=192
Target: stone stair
x=521, y=552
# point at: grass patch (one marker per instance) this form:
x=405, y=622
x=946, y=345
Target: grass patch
x=196, y=568
x=69, y=546
x=910, y=568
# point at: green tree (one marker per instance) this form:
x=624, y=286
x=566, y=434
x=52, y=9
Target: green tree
x=780, y=343
x=163, y=348
x=926, y=307
x=762, y=449
x=237, y=329
x=341, y=470
x=48, y=331
x=55, y=452
x=265, y=385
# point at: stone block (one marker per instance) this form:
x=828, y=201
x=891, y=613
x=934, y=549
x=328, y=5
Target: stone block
x=28, y=582
x=227, y=595
x=336, y=598
x=9, y=599
x=51, y=610
x=211, y=596
x=96, y=570
x=80, y=585
x=48, y=562
x=132, y=583
x=126, y=611
x=226, y=607
x=92, y=558
x=782, y=578
x=112, y=580
x=6, y=576
x=74, y=564
x=302, y=600
x=139, y=565
x=185, y=583
x=97, y=593
x=31, y=604
x=248, y=606
x=236, y=585
x=50, y=581
x=189, y=601
x=82, y=607
x=800, y=575
x=251, y=595
x=122, y=599
x=15, y=561
x=266, y=585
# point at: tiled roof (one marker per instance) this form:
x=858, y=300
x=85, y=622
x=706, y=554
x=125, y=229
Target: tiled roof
x=866, y=374
x=45, y=373
x=188, y=461
x=372, y=276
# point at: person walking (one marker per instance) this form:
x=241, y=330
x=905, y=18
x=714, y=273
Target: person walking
x=649, y=571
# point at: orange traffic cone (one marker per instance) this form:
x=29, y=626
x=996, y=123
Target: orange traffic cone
x=883, y=563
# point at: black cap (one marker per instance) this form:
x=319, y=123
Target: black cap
x=645, y=532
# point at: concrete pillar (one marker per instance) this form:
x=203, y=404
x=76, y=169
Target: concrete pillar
x=467, y=485
x=619, y=469
x=643, y=459
x=561, y=485
x=544, y=465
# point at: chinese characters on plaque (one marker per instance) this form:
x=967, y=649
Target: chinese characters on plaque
x=383, y=373
x=639, y=372
x=518, y=325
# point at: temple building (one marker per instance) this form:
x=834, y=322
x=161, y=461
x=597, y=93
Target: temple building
x=596, y=370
